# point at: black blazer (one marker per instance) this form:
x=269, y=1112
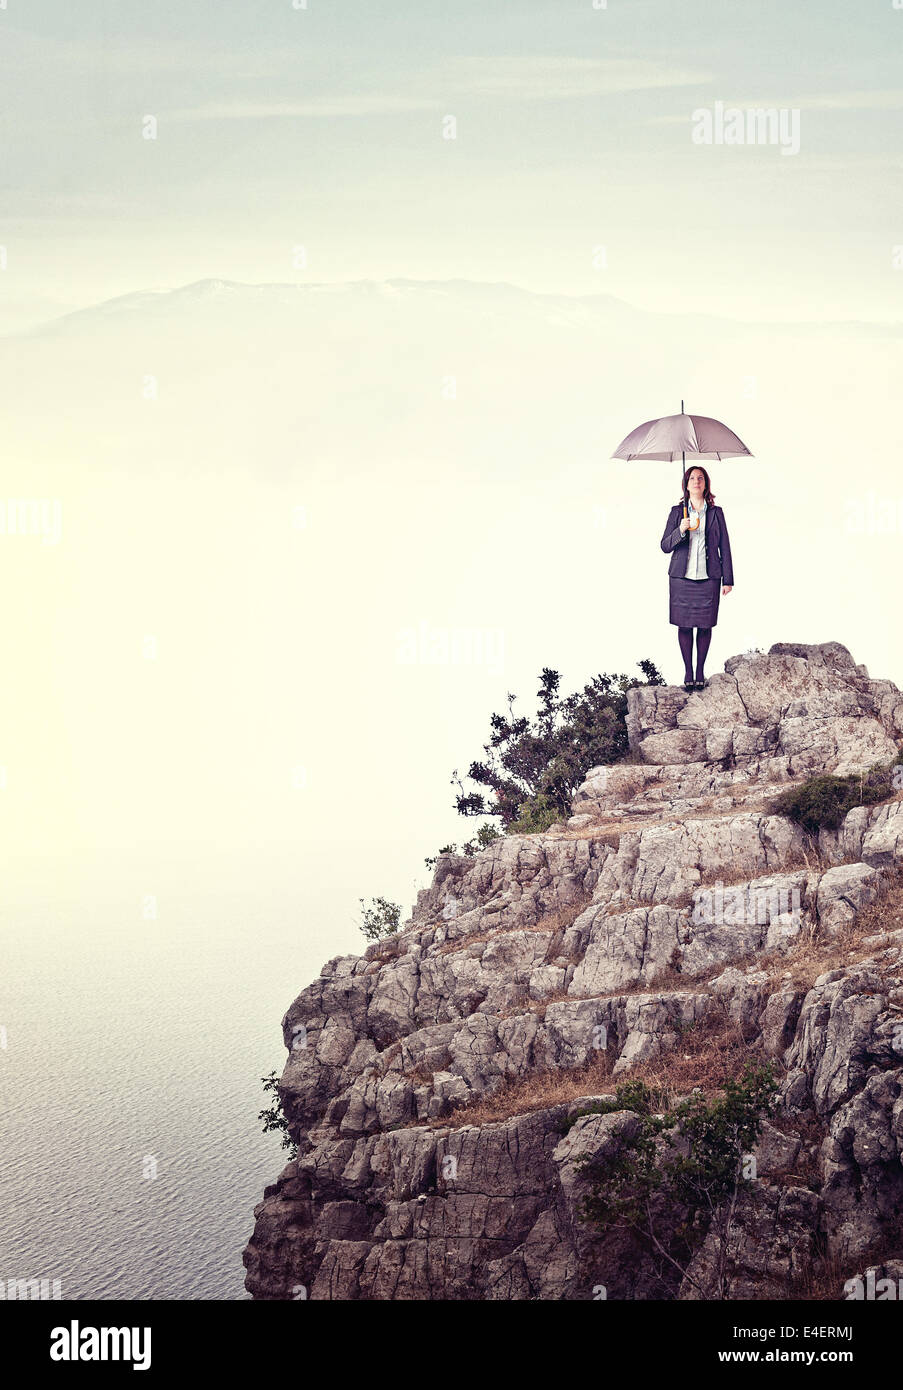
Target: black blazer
x=718, y=562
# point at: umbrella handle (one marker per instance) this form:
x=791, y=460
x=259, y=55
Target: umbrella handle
x=683, y=467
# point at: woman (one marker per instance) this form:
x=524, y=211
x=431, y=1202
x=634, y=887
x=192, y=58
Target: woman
x=700, y=551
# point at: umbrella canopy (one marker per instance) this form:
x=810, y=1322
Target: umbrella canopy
x=675, y=436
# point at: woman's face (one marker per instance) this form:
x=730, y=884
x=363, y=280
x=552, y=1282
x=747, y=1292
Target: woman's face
x=696, y=480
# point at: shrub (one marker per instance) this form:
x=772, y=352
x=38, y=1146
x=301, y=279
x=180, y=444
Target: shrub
x=381, y=919
x=535, y=815
x=549, y=755
x=630, y=1095
x=274, y=1118
x=484, y=836
x=822, y=802
x=696, y=1155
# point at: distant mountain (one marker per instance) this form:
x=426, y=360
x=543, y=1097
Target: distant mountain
x=414, y=376
x=498, y=294
x=293, y=293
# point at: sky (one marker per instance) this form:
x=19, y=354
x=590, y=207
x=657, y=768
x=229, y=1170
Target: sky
x=302, y=142
x=319, y=326
x=263, y=493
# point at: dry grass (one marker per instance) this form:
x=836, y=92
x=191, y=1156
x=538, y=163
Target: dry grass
x=537, y=1006
x=743, y=807
x=801, y=860
x=423, y=1074
x=885, y=912
x=759, y=802
x=814, y=858
x=712, y=1051
x=608, y=831
x=814, y=956
x=541, y=1090
x=810, y=957
x=751, y=799
x=811, y=1131
x=668, y=981
x=701, y=809
x=823, y=1278
x=381, y=951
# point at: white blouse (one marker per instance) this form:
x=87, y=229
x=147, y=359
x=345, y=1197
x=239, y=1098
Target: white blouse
x=696, y=566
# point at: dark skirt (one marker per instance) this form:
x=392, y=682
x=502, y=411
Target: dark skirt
x=694, y=602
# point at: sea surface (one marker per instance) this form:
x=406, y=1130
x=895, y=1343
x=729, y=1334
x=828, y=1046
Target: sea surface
x=141, y=1007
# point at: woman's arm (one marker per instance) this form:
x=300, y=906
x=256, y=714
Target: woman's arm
x=673, y=535
x=727, y=564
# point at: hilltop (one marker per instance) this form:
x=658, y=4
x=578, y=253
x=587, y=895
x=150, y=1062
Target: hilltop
x=673, y=927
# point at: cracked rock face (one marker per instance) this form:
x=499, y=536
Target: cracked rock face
x=552, y=961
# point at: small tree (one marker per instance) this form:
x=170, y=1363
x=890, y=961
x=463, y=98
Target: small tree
x=381, y=919
x=274, y=1117
x=533, y=766
x=696, y=1155
x=485, y=836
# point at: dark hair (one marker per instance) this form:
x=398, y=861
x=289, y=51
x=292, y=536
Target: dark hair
x=708, y=495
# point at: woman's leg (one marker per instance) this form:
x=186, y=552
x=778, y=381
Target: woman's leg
x=703, y=639
x=685, y=638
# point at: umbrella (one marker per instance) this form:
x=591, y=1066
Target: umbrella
x=675, y=436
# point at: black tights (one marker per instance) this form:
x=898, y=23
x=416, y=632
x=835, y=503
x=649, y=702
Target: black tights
x=685, y=638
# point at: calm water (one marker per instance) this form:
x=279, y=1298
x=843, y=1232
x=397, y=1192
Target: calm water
x=132, y=1042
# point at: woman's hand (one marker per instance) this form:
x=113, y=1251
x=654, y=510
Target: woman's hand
x=684, y=525
x=727, y=588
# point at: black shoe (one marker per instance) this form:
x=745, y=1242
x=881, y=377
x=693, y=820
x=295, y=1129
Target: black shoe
x=700, y=685
x=689, y=687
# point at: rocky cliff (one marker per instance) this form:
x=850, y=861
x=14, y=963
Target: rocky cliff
x=672, y=928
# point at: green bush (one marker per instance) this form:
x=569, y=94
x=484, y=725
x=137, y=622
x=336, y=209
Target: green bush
x=697, y=1155
x=630, y=1095
x=533, y=766
x=822, y=802
x=484, y=836
x=273, y=1118
x=381, y=919
x=536, y=814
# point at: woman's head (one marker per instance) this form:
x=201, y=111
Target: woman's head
x=697, y=478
